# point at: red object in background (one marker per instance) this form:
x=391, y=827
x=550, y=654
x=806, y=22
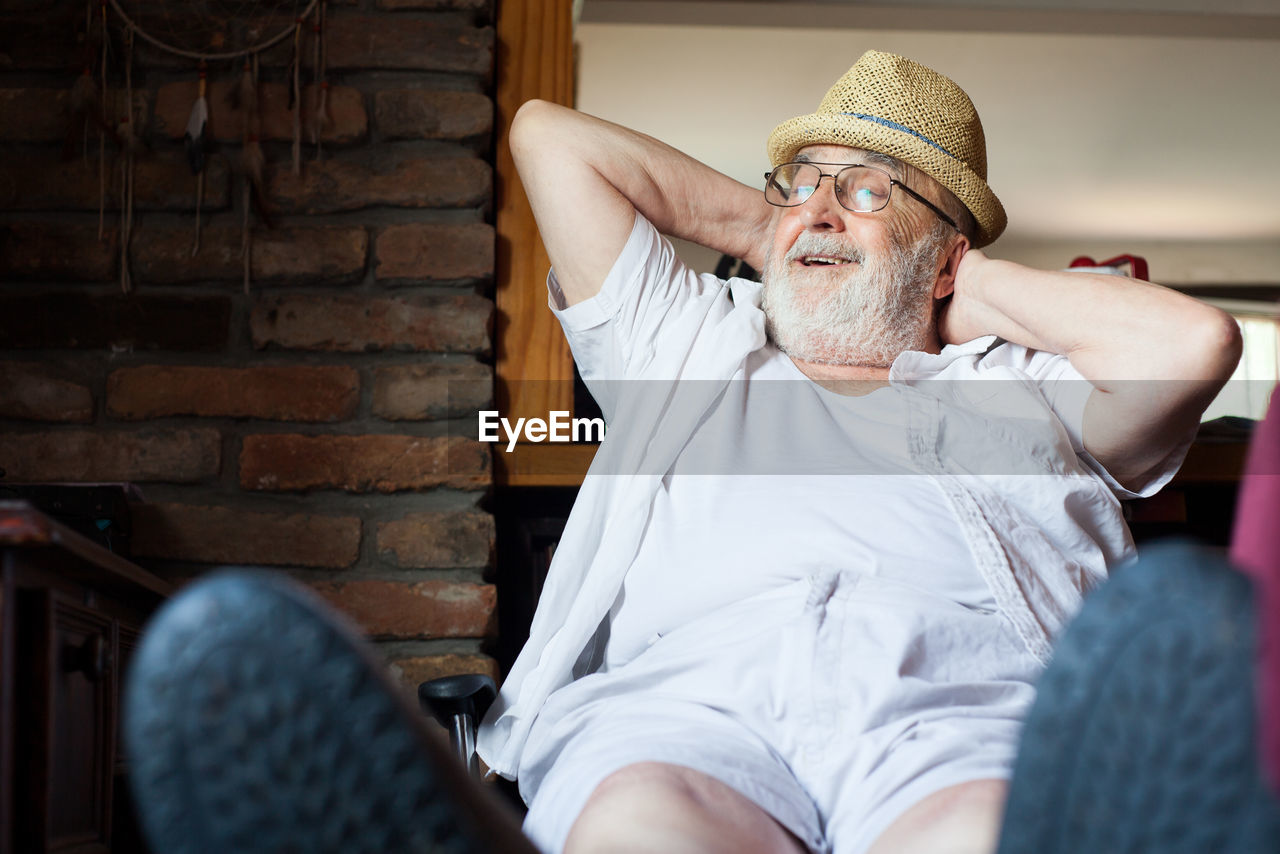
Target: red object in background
x=1137, y=264
x=1255, y=548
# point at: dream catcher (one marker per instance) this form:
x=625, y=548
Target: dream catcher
x=219, y=38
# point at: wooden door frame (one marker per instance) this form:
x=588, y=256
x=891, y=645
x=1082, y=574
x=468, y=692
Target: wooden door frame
x=534, y=373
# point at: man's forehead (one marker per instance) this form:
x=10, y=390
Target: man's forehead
x=827, y=153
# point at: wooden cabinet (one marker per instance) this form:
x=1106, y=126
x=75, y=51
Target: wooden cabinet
x=72, y=613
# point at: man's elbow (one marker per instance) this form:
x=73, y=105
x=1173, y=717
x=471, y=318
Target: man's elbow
x=528, y=124
x=529, y=112
x=1216, y=344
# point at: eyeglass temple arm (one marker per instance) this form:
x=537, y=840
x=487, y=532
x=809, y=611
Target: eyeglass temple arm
x=922, y=200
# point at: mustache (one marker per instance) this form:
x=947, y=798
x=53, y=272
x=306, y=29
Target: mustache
x=809, y=243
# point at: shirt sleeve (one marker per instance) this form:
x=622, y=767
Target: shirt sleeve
x=614, y=334
x=1067, y=392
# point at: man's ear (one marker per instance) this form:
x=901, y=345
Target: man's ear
x=946, y=281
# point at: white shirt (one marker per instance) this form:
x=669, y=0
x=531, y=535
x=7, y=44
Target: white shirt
x=996, y=429
x=784, y=479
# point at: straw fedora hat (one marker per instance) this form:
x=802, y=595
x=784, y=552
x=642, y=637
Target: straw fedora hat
x=889, y=104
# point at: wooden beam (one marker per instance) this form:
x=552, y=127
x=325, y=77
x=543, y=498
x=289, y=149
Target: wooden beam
x=543, y=465
x=535, y=60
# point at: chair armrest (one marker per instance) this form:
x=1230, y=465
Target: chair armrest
x=468, y=694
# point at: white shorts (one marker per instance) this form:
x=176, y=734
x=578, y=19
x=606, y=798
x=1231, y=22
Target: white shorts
x=834, y=703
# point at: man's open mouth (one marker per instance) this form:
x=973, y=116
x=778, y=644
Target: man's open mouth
x=823, y=261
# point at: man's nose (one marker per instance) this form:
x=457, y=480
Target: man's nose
x=822, y=211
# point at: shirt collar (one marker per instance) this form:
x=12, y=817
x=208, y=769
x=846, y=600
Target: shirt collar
x=915, y=364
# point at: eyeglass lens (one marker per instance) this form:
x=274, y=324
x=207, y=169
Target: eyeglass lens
x=858, y=188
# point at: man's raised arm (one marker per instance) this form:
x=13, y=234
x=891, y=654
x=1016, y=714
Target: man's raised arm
x=586, y=178
x=1156, y=358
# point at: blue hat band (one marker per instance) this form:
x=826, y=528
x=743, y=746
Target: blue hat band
x=892, y=124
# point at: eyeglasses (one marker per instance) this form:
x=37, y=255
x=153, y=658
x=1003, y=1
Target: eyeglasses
x=859, y=188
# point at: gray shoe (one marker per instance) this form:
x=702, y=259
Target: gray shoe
x=1142, y=739
x=257, y=720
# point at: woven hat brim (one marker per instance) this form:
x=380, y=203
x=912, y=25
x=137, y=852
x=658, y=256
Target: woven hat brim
x=840, y=129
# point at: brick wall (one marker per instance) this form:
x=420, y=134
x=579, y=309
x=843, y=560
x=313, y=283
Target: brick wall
x=321, y=424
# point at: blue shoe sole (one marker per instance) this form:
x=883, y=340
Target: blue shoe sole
x=1142, y=737
x=258, y=721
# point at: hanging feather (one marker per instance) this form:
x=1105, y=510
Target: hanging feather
x=252, y=160
x=252, y=163
x=128, y=146
x=244, y=95
x=295, y=59
x=81, y=105
x=85, y=93
x=313, y=126
x=85, y=105
x=320, y=119
x=197, y=122
x=195, y=244
x=195, y=140
x=102, y=133
x=295, y=96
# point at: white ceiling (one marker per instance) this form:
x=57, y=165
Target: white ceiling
x=1126, y=130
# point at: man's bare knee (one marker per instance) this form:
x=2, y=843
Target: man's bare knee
x=657, y=807
x=960, y=819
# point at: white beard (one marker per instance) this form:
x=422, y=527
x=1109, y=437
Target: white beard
x=865, y=316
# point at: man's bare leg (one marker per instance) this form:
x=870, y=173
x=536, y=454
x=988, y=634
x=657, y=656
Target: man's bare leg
x=960, y=819
x=657, y=808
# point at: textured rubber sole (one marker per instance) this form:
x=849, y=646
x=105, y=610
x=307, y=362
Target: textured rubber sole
x=256, y=721
x=1142, y=736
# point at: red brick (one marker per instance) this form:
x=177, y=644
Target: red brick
x=120, y=322
x=418, y=251
x=43, y=182
x=370, y=41
x=357, y=324
x=211, y=534
x=366, y=463
x=348, y=121
x=414, y=670
x=174, y=456
x=281, y=393
x=430, y=392
x=438, y=540
x=429, y=114
x=50, y=251
x=332, y=254
x=407, y=610
x=405, y=181
x=29, y=391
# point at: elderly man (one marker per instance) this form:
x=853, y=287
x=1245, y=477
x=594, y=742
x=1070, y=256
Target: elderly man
x=736, y=653
x=819, y=561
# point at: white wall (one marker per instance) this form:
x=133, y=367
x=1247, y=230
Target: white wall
x=1099, y=144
